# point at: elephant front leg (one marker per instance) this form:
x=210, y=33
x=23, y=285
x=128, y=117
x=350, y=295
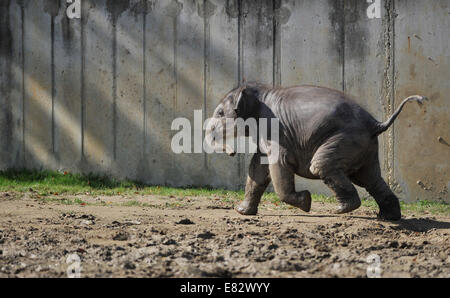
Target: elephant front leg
x=284, y=184
x=257, y=181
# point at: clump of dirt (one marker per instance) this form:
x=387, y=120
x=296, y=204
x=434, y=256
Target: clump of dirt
x=204, y=238
x=185, y=221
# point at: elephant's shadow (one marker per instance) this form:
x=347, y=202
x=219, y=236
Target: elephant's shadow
x=420, y=224
x=409, y=224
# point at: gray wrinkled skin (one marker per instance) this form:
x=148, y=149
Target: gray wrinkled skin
x=323, y=135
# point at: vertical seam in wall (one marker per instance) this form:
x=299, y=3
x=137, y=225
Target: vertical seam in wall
x=144, y=81
x=343, y=45
x=175, y=66
x=175, y=53
x=175, y=71
x=393, y=88
x=240, y=67
x=82, y=83
x=388, y=89
x=6, y=57
x=274, y=54
x=114, y=84
x=239, y=43
x=390, y=136
x=276, y=47
x=52, y=70
x=206, y=57
x=22, y=15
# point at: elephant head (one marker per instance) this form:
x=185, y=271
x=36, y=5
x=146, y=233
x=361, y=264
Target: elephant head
x=223, y=128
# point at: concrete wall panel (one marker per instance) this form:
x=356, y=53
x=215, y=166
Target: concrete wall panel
x=100, y=94
x=364, y=62
x=98, y=82
x=17, y=87
x=311, y=43
x=130, y=90
x=221, y=75
x=11, y=84
x=67, y=90
x=421, y=134
x=189, y=96
x=38, y=86
x=312, y=52
x=257, y=51
x=160, y=90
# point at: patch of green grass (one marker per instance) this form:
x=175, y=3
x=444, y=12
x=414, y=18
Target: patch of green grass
x=48, y=184
x=64, y=201
x=426, y=206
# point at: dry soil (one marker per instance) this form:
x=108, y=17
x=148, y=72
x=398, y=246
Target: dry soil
x=153, y=236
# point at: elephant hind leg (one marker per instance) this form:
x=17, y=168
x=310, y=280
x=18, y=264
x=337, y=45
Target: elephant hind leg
x=370, y=178
x=329, y=163
x=386, y=200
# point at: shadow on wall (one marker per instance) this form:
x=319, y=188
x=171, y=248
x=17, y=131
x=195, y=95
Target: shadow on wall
x=121, y=122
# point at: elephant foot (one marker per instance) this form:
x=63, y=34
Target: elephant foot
x=245, y=209
x=389, y=216
x=301, y=200
x=390, y=210
x=348, y=205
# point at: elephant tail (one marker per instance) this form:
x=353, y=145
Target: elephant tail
x=383, y=126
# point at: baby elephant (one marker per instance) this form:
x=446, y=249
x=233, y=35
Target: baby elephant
x=322, y=134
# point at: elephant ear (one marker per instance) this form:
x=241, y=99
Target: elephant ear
x=247, y=102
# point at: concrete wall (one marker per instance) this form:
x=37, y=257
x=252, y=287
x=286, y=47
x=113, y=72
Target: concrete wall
x=99, y=94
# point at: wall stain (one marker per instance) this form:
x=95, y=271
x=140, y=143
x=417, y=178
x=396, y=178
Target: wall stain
x=5, y=32
x=262, y=11
x=409, y=44
x=142, y=7
x=52, y=7
x=337, y=36
x=6, y=117
x=232, y=8
x=174, y=9
x=22, y=3
x=190, y=6
x=281, y=13
x=412, y=71
x=116, y=8
x=67, y=33
x=356, y=33
x=206, y=9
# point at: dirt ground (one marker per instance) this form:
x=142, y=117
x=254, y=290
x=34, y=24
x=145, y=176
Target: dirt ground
x=151, y=236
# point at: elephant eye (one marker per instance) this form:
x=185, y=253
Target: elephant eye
x=220, y=113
